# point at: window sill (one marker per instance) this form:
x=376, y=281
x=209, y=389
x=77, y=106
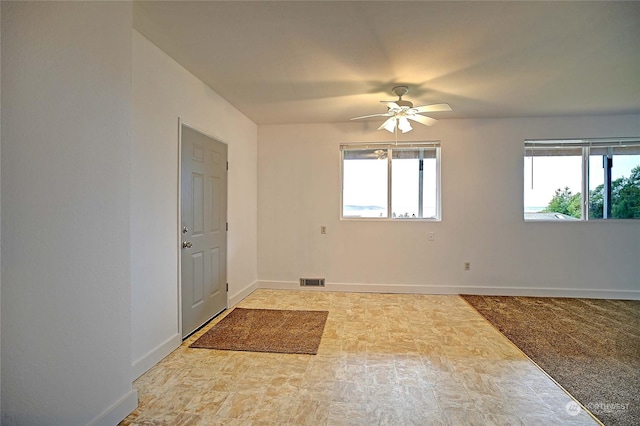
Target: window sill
x=632, y=221
x=385, y=219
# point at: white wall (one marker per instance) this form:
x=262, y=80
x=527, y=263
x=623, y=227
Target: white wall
x=164, y=91
x=66, y=129
x=482, y=186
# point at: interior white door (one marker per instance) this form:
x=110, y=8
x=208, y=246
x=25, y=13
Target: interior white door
x=204, y=229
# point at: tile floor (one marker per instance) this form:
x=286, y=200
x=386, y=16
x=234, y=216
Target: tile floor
x=385, y=359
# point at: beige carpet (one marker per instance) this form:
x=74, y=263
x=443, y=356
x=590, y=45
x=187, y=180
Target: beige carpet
x=590, y=346
x=266, y=330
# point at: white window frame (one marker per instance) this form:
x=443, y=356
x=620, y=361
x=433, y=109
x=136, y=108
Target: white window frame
x=390, y=146
x=585, y=145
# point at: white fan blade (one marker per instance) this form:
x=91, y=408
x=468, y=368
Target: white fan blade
x=427, y=121
x=372, y=115
x=391, y=104
x=432, y=108
x=388, y=125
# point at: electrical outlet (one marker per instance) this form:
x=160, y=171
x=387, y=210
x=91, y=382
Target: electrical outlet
x=467, y=266
x=431, y=236
x=323, y=229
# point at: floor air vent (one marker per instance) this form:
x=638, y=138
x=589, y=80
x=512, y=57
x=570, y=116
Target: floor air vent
x=311, y=282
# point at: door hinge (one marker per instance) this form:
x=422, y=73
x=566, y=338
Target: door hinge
x=227, y=165
x=227, y=286
x=227, y=226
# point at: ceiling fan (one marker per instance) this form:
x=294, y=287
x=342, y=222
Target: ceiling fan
x=400, y=112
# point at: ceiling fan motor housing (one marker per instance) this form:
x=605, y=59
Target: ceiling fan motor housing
x=400, y=91
x=402, y=103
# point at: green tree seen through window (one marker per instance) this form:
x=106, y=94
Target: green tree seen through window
x=625, y=199
x=565, y=202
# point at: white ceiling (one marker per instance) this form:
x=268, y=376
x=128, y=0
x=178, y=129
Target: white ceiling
x=322, y=61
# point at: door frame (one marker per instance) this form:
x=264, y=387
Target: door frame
x=179, y=223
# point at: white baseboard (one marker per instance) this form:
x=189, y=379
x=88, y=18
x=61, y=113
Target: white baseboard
x=118, y=410
x=151, y=358
x=238, y=296
x=456, y=289
x=582, y=293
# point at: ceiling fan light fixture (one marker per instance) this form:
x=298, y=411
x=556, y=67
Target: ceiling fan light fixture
x=390, y=125
x=404, y=125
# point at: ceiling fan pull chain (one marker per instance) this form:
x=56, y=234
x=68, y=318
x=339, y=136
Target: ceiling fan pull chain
x=396, y=131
